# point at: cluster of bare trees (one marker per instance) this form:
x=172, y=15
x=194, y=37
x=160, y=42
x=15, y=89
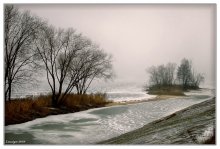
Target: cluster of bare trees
x=20, y=32
x=164, y=75
x=68, y=58
x=186, y=75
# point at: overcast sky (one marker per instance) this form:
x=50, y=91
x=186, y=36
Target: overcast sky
x=139, y=36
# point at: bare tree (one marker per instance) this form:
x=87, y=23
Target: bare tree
x=57, y=49
x=162, y=75
x=170, y=70
x=51, y=43
x=20, y=31
x=73, y=71
x=196, y=79
x=97, y=64
x=187, y=77
x=184, y=73
x=154, y=78
x=48, y=47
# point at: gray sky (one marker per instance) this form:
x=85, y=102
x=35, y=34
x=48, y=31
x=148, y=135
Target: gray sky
x=139, y=36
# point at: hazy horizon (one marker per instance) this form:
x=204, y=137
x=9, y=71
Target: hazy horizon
x=139, y=36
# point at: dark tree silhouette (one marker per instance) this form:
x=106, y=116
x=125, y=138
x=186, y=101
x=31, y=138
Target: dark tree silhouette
x=57, y=48
x=184, y=73
x=20, y=31
x=69, y=59
x=187, y=77
x=97, y=64
x=162, y=75
x=162, y=78
x=196, y=79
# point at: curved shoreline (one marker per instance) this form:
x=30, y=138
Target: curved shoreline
x=158, y=97
x=47, y=111
x=186, y=126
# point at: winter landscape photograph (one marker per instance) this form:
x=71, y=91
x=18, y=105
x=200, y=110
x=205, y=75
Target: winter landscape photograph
x=109, y=74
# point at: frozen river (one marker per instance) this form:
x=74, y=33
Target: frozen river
x=94, y=125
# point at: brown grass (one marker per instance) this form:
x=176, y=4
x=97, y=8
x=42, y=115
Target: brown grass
x=24, y=105
x=42, y=101
x=74, y=100
x=25, y=109
x=166, y=90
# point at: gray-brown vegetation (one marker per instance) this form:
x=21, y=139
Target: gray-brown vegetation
x=163, y=81
x=68, y=58
x=27, y=109
x=162, y=75
x=187, y=77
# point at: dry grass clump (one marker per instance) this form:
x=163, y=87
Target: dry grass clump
x=25, y=109
x=96, y=100
x=18, y=106
x=26, y=104
x=43, y=101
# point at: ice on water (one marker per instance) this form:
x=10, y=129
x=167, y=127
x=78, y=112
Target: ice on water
x=99, y=124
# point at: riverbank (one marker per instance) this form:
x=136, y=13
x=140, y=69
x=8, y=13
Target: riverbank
x=24, y=110
x=27, y=109
x=192, y=125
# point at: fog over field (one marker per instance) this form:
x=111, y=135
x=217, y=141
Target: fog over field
x=139, y=36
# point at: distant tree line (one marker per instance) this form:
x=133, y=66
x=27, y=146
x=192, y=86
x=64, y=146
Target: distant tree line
x=167, y=75
x=68, y=58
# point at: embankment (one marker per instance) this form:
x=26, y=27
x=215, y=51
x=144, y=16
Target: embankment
x=193, y=125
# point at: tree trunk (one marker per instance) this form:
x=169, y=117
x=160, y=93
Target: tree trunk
x=6, y=92
x=5, y=96
x=9, y=91
x=54, y=100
